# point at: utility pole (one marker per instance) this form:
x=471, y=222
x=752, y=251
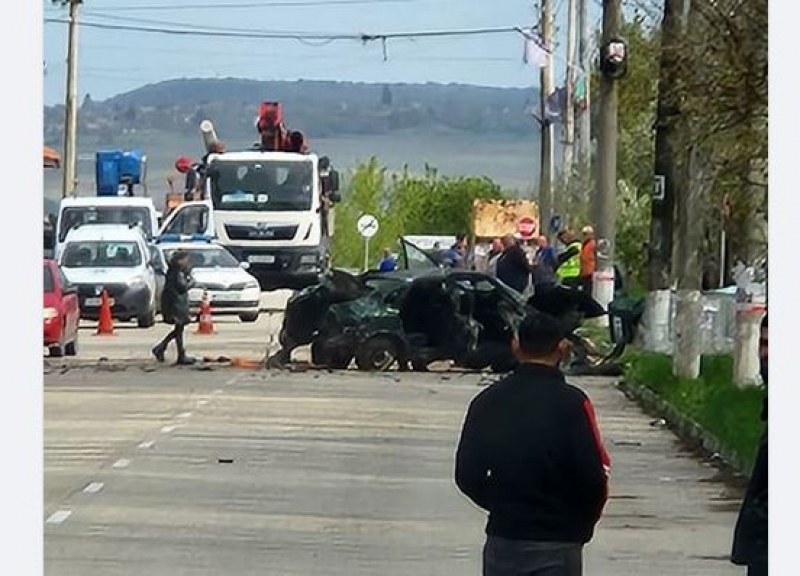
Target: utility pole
x=71, y=118
x=668, y=148
x=584, y=120
x=613, y=59
x=546, y=148
x=569, y=112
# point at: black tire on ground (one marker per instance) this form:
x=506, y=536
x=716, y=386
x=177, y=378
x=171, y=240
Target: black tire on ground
x=71, y=349
x=249, y=317
x=56, y=351
x=378, y=354
x=335, y=358
x=148, y=319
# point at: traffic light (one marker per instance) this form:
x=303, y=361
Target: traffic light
x=614, y=59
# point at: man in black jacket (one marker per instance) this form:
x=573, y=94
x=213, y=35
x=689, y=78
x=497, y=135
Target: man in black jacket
x=513, y=268
x=531, y=455
x=750, y=540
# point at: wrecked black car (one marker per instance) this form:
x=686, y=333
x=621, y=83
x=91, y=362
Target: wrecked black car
x=409, y=321
x=422, y=314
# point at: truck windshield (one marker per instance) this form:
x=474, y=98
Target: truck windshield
x=71, y=217
x=94, y=254
x=258, y=185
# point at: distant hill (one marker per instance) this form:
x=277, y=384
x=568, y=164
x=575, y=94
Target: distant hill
x=321, y=109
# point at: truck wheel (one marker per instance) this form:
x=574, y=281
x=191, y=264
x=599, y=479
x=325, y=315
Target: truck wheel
x=377, y=354
x=249, y=317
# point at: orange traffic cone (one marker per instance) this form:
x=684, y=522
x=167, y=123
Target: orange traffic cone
x=105, y=324
x=206, y=323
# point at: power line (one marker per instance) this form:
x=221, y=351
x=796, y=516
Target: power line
x=273, y=35
x=240, y=5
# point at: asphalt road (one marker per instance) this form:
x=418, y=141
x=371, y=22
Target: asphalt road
x=180, y=471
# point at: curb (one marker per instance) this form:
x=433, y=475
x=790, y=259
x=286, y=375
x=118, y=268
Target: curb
x=684, y=427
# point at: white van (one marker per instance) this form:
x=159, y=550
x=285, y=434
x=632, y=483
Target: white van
x=104, y=210
x=119, y=260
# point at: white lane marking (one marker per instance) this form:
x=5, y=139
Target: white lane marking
x=184, y=415
x=202, y=402
x=231, y=381
x=168, y=429
x=59, y=516
x=121, y=463
x=218, y=391
x=93, y=488
x=147, y=444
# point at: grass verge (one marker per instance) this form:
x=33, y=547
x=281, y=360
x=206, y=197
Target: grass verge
x=730, y=414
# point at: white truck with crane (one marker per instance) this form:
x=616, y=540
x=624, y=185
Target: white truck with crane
x=270, y=206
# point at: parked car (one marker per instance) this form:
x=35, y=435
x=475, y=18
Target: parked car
x=230, y=288
x=61, y=312
x=119, y=259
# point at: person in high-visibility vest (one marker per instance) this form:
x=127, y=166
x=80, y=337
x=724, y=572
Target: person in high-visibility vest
x=569, y=261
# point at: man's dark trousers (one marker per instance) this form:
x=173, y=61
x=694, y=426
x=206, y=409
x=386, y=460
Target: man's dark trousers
x=503, y=557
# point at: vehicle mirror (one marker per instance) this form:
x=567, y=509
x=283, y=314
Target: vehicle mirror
x=334, y=183
x=244, y=265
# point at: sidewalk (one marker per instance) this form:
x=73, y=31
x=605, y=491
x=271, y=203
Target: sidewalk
x=668, y=512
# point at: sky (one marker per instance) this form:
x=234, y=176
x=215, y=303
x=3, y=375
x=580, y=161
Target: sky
x=116, y=61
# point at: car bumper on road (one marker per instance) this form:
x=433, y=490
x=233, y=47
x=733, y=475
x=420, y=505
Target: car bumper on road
x=286, y=267
x=126, y=301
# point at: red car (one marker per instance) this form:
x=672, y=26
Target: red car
x=61, y=312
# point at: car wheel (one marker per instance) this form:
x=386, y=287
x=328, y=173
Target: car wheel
x=147, y=319
x=248, y=317
x=71, y=349
x=335, y=358
x=56, y=351
x=419, y=366
x=377, y=354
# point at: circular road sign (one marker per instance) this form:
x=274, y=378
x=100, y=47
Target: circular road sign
x=526, y=226
x=367, y=225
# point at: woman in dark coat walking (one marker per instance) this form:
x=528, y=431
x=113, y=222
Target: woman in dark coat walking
x=175, y=306
x=751, y=535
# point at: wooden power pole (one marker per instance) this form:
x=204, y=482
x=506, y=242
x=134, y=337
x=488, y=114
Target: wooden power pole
x=70, y=181
x=584, y=120
x=546, y=149
x=569, y=111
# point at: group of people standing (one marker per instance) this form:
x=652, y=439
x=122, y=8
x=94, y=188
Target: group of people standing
x=542, y=266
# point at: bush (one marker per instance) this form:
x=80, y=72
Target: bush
x=713, y=401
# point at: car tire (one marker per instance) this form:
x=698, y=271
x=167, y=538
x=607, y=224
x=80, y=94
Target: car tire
x=148, y=319
x=419, y=366
x=249, y=317
x=377, y=354
x=71, y=349
x=56, y=351
x=336, y=358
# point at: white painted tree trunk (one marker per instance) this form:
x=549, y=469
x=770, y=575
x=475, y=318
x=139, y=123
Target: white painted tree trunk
x=603, y=291
x=656, y=321
x=688, y=335
x=746, y=368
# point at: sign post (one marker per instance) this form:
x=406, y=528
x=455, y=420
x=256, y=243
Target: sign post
x=367, y=226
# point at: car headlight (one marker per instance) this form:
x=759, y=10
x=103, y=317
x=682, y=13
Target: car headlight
x=308, y=259
x=50, y=313
x=250, y=285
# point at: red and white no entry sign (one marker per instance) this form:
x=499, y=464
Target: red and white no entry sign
x=526, y=226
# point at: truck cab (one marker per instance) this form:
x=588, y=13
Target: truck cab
x=270, y=206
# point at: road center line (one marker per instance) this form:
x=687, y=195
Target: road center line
x=93, y=488
x=146, y=444
x=121, y=463
x=168, y=429
x=59, y=516
x=184, y=415
x=202, y=402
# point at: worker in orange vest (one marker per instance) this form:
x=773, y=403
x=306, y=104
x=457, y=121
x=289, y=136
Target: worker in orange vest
x=588, y=258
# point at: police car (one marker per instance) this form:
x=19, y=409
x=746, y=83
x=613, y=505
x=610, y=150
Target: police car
x=231, y=290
